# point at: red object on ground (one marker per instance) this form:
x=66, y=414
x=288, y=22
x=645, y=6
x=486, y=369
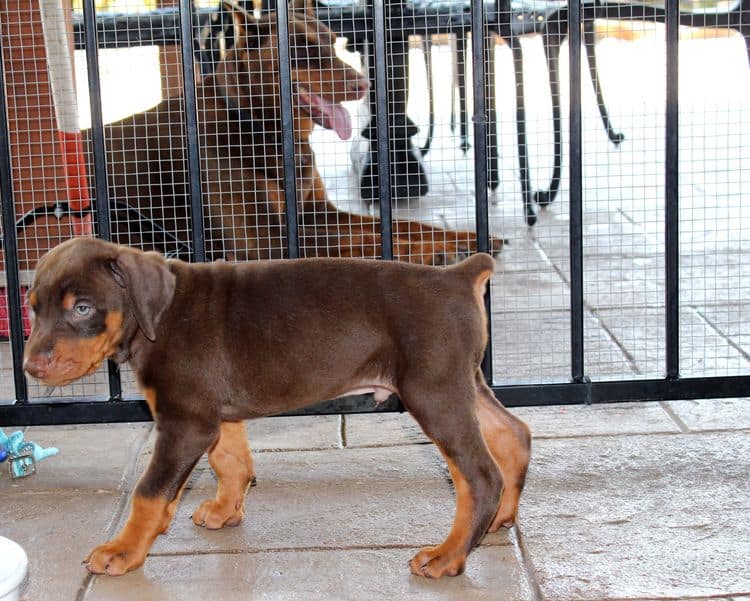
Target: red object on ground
x=5, y=322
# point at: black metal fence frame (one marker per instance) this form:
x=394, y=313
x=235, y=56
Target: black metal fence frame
x=579, y=390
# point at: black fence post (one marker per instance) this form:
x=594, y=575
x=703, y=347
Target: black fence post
x=287, y=130
x=383, y=130
x=576, y=194
x=671, y=200
x=10, y=244
x=100, y=156
x=191, y=124
x=480, y=119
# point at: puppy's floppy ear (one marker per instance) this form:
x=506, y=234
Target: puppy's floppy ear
x=149, y=284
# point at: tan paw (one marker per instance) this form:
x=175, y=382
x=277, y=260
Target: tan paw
x=214, y=515
x=502, y=521
x=114, y=558
x=432, y=562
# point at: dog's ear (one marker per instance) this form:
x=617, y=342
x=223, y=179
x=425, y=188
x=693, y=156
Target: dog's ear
x=232, y=73
x=303, y=6
x=249, y=28
x=149, y=283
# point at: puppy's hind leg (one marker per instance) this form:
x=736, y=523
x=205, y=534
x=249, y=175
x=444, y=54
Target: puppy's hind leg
x=232, y=462
x=509, y=442
x=446, y=415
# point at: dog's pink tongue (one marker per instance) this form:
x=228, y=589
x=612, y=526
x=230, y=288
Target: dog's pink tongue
x=342, y=122
x=334, y=116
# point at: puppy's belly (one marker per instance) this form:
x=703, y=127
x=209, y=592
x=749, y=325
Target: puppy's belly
x=381, y=393
x=233, y=410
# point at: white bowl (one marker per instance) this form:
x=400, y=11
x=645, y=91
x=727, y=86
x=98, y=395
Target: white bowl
x=13, y=569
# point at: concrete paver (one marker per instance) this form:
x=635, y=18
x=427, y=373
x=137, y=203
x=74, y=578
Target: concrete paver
x=639, y=516
x=492, y=573
x=637, y=500
x=383, y=429
x=596, y=420
x=713, y=414
x=57, y=530
x=81, y=463
x=361, y=497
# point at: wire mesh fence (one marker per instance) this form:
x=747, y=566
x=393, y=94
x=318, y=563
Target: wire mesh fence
x=420, y=131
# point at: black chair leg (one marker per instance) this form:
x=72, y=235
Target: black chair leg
x=523, y=159
x=589, y=38
x=461, y=76
x=427, y=53
x=552, y=39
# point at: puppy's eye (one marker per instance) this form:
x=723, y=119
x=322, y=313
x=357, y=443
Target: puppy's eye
x=83, y=310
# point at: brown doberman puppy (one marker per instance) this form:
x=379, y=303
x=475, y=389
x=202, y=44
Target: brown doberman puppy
x=214, y=344
x=239, y=117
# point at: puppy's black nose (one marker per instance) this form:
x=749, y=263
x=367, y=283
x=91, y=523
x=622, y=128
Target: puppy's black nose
x=36, y=365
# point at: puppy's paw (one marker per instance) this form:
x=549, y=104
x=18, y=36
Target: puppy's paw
x=434, y=562
x=502, y=521
x=214, y=515
x=114, y=558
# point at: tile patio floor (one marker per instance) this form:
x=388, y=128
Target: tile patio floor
x=636, y=501
x=633, y=501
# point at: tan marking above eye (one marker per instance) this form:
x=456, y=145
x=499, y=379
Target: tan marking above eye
x=69, y=301
x=32, y=299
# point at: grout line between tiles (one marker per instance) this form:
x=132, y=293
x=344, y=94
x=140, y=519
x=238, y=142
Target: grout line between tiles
x=673, y=415
x=127, y=477
x=593, y=313
x=730, y=596
x=313, y=549
x=524, y=560
x=720, y=333
x=343, y=443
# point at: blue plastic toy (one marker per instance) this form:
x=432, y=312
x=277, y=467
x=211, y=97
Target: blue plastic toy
x=22, y=456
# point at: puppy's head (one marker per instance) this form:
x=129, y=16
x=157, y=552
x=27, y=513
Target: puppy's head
x=89, y=298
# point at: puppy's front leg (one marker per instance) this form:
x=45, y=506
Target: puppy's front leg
x=179, y=445
x=232, y=462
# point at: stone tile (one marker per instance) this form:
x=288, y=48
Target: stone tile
x=288, y=433
x=276, y=434
x=731, y=321
x=713, y=414
x=521, y=254
x=535, y=346
x=639, y=516
x=596, y=420
x=57, y=531
x=605, y=233
x=360, y=497
x=623, y=281
x=330, y=575
x=382, y=430
x=641, y=332
x=94, y=457
x=529, y=291
x=714, y=278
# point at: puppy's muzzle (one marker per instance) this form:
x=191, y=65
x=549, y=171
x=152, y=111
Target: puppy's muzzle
x=37, y=365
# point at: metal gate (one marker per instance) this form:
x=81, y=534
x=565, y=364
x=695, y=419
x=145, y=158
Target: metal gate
x=560, y=337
